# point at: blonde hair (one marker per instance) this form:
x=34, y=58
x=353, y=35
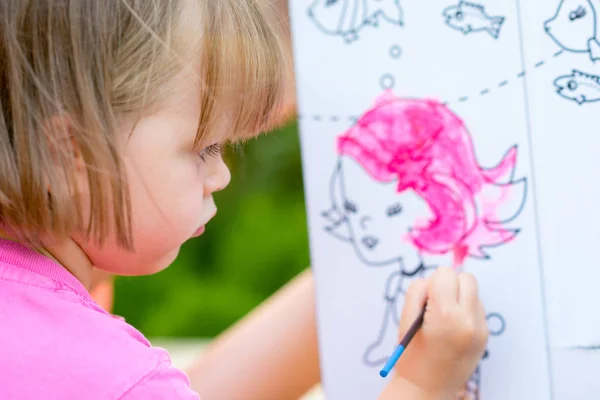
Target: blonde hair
x=87, y=64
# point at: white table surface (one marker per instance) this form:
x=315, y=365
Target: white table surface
x=184, y=351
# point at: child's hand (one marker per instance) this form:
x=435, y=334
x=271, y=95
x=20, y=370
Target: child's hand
x=446, y=350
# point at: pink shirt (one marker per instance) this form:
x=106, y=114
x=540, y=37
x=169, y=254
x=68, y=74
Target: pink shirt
x=56, y=343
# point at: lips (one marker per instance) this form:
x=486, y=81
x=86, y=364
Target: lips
x=202, y=228
x=199, y=231
x=370, y=242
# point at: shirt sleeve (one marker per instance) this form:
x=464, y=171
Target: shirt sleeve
x=165, y=382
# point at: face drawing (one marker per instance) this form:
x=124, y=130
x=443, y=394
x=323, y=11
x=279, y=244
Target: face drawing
x=573, y=25
x=408, y=183
x=378, y=219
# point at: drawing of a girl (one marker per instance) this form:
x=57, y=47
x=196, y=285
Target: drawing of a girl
x=408, y=186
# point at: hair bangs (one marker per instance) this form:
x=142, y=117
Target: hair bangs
x=243, y=72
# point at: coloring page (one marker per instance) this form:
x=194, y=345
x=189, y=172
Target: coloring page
x=562, y=63
x=563, y=97
x=417, y=152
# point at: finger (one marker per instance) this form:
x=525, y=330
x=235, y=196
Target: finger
x=481, y=314
x=468, y=293
x=482, y=320
x=443, y=286
x=414, y=301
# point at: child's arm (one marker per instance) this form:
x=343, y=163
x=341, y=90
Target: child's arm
x=446, y=350
x=271, y=354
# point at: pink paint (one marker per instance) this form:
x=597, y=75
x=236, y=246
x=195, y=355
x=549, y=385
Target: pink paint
x=460, y=253
x=423, y=146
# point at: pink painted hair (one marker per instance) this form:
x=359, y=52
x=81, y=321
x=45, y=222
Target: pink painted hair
x=423, y=146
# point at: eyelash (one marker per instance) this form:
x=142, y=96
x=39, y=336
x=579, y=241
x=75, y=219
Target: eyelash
x=350, y=207
x=394, y=210
x=211, y=151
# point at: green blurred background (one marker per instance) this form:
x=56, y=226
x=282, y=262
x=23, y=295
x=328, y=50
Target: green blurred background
x=256, y=244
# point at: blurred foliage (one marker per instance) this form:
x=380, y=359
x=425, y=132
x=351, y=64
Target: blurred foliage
x=257, y=242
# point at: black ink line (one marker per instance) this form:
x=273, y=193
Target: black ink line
x=492, y=25
x=533, y=182
x=387, y=81
x=395, y=51
x=504, y=83
x=349, y=12
x=501, y=320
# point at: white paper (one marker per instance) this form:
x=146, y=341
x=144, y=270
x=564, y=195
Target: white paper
x=566, y=146
x=348, y=54
x=575, y=373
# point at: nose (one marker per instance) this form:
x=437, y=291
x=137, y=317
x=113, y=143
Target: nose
x=218, y=178
x=363, y=221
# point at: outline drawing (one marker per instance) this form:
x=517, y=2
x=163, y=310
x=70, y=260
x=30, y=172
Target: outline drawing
x=470, y=18
x=417, y=190
x=574, y=27
x=579, y=87
x=346, y=18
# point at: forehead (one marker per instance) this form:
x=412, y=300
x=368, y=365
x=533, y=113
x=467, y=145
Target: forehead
x=358, y=186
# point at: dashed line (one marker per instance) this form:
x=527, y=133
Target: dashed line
x=461, y=99
x=504, y=83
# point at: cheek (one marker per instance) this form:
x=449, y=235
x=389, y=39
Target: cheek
x=169, y=203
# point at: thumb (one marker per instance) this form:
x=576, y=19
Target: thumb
x=414, y=301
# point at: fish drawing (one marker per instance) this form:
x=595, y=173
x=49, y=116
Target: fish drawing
x=346, y=18
x=578, y=87
x=471, y=17
x=574, y=27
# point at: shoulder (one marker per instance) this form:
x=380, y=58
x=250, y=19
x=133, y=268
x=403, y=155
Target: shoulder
x=164, y=382
x=61, y=343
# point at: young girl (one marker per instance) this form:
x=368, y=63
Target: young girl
x=113, y=114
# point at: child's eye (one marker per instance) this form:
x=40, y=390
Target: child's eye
x=211, y=151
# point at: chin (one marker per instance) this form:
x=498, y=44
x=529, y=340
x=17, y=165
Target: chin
x=158, y=264
x=130, y=265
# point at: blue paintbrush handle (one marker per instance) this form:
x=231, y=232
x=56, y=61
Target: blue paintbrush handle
x=403, y=343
